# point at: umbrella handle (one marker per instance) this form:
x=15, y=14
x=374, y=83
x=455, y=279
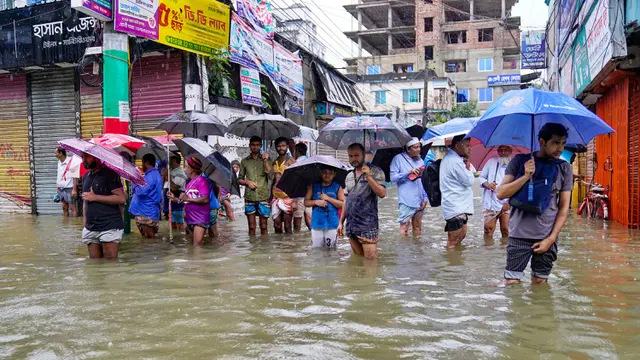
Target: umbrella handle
x=170, y=212
x=530, y=186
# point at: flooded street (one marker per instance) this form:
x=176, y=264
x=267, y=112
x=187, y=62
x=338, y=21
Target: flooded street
x=277, y=298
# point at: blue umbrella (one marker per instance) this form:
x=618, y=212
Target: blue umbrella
x=517, y=116
x=451, y=128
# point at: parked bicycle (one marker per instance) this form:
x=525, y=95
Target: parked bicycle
x=596, y=203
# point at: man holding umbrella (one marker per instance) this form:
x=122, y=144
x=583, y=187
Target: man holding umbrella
x=255, y=172
x=147, y=200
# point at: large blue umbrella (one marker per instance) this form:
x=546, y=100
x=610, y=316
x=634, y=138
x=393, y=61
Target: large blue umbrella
x=372, y=132
x=453, y=127
x=517, y=116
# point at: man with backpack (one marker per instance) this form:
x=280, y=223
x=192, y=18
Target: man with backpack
x=406, y=170
x=456, y=182
x=539, y=188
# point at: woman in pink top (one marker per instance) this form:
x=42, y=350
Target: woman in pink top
x=196, y=200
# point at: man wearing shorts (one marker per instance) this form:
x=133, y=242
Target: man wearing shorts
x=282, y=207
x=493, y=208
x=255, y=172
x=300, y=152
x=456, y=186
x=103, y=195
x=147, y=200
x=364, y=185
x=533, y=236
x=66, y=183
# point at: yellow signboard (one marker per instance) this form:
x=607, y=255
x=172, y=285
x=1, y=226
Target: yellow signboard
x=198, y=26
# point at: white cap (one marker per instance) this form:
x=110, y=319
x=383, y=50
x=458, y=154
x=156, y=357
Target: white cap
x=413, y=141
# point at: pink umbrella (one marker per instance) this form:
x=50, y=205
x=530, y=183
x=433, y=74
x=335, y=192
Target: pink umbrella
x=119, y=143
x=480, y=154
x=109, y=158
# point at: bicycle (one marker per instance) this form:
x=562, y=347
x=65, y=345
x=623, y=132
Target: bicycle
x=596, y=203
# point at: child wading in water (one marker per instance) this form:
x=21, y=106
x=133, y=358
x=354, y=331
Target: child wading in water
x=326, y=197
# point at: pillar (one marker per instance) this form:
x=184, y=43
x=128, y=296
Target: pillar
x=390, y=43
x=503, y=13
x=389, y=17
x=359, y=46
x=471, y=9
x=359, y=20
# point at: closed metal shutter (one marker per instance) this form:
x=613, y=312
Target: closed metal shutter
x=53, y=110
x=323, y=149
x=15, y=184
x=156, y=90
x=90, y=111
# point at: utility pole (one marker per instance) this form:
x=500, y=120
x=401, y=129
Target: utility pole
x=428, y=75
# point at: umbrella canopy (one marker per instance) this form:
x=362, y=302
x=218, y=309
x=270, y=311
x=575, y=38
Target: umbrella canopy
x=481, y=154
x=307, y=134
x=372, y=132
x=415, y=131
x=214, y=164
x=268, y=127
x=193, y=123
x=305, y=172
x=453, y=127
x=383, y=157
x=119, y=143
x=517, y=116
x=107, y=156
x=152, y=146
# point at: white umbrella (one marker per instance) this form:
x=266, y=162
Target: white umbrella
x=307, y=134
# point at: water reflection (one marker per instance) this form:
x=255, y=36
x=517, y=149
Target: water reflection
x=278, y=298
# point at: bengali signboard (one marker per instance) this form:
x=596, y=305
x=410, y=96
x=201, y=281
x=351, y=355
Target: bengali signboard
x=250, y=85
x=501, y=80
x=250, y=49
x=258, y=14
x=100, y=9
x=533, y=48
x=197, y=26
x=288, y=71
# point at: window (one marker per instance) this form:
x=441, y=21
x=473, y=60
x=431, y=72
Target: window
x=463, y=96
x=411, y=96
x=380, y=97
x=485, y=35
x=485, y=95
x=510, y=64
x=428, y=24
x=373, y=69
x=485, y=64
x=428, y=52
x=456, y=37
x=402, y=68
x=454, y=66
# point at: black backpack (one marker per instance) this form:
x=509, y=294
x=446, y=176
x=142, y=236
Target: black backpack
x=431, y=183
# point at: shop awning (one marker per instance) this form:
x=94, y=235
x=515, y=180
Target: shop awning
x=337, y=88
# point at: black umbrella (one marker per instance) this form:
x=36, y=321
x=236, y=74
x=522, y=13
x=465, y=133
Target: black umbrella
x=383, y=157
x=152, y=146
x=194, y=124
x=298, y=177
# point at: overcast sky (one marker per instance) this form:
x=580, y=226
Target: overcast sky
x=332, y=20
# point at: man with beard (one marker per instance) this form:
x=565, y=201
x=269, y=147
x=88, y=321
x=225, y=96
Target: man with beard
x=255, y=172
x=282, y=207
x=406, y=170
x=365, y=184
x=456, y=186
x=493, y=208
x=102, y=194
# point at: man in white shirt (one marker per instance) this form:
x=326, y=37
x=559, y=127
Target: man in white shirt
x=456, y=181
x=494, y=209
x=66, y=183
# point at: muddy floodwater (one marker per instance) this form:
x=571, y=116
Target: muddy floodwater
x=241, y=298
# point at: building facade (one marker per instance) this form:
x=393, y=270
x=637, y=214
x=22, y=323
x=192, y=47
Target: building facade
x=295, y=24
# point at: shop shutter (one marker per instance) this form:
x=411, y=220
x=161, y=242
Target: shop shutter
x=91, y=122
x=322, y=149
x=156, y=90
x=15, y=194
x=53, y=109
x=634, y=152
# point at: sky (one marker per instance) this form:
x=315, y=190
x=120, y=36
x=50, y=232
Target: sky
x=332, y=20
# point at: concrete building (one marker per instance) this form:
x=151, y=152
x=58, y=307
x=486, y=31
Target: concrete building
x=472, y=42
x=295, y=24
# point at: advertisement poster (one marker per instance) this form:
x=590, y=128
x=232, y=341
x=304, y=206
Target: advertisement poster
x=567, y=11
x=258, y=14
x=288, y=71
x=532, y=44
x=197, y=26
x=250, y=49
x=250, y=85
x=591, y=50
x=100, y=9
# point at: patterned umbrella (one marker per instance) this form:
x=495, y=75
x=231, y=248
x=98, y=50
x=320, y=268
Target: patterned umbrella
x=193, y=123
x=119, y=143
x=268, y=127
x=298, y=177
x=372, y=132
x=108, y=157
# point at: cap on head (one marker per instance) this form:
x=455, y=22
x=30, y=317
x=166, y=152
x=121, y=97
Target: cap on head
x=413, y=141
x=194, y=163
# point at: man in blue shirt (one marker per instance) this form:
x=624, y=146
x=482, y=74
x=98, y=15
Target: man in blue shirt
x=147, y=200
x=406, y=169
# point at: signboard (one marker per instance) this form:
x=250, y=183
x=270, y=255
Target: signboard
x=258, y=14
x=250, y=49
x=99, y=9
x=197, y=26
x=325, y=108
x=250, y=85
x=294, y=104
x=288, y=70
x=533, y=55
x=501, y=80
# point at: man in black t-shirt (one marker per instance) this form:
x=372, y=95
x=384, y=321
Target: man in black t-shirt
x=102, y=194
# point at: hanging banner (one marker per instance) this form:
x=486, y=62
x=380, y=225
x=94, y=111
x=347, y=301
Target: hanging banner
x=532, y=44
x=258, y=14
x=294, y=104
x=250, y=49
x=99, y=9
x=196, y=26
x=250, y=85
x=288, y=71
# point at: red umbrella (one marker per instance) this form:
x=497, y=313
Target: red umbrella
x=119, y=143
x=480, y=154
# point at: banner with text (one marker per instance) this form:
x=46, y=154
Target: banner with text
x=532, y=44
x=501, y=80
x=288, y=71
x=250, y=85
x=258, y=14
x=197, y=26
x=100, y=9
x=249, y=48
